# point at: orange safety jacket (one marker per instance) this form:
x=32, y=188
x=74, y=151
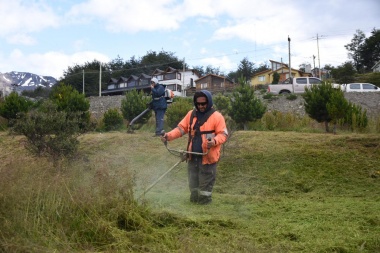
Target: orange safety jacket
x=215, y=124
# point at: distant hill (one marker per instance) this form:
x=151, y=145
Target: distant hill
x=20, y=81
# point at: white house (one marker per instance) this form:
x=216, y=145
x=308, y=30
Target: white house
x=177, y=80
x=376, y=67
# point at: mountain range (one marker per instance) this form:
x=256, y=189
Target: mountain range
x=20, y=81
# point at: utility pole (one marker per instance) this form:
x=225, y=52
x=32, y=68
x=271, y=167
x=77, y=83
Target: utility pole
x=314, y=62
x=83, y=81
x=290, y=66
x=100, y=79
x=319, y=59
x=183, y=83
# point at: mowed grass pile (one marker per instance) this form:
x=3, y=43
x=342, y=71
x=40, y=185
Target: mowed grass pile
x=275, y=192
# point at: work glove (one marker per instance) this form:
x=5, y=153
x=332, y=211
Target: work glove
x=164, y=138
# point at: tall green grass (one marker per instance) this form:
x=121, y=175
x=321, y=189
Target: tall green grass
x=276, y=191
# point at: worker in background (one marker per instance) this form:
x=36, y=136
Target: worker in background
x=158, y=105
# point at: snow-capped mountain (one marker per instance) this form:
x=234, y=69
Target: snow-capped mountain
x=24, y=81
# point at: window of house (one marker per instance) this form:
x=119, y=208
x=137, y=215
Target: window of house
x=171, y=87
x=160, y=78
x=179, y=76
x=261, y=78
x=169, y=76
x=203, y=85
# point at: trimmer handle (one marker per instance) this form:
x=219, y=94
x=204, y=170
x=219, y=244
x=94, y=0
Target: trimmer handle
x=163, y=134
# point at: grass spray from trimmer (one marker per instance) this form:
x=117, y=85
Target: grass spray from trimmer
x=182, y=154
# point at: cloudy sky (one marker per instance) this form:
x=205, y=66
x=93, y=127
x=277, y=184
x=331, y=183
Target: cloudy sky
x=45, y=37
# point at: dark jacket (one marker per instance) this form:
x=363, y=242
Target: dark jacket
x=158, y=99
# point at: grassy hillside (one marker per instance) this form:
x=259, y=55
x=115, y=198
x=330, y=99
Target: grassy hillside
x=275, y=192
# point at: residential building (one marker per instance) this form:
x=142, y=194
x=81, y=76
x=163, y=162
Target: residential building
x=214, y=83
x=175, y=79
x=376, y=67
x=266, y=76
x=178, y=80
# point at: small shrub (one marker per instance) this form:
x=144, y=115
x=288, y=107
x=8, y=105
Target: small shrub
x=177, y=110
x=222, y=103
x=291, y=97
x=13, y=105
x=135, y=103
x=112, y=119
x=50, y=132
x=268, y=96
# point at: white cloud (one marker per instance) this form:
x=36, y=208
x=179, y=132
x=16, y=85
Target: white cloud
x=129, y=16
x=21, y=39
x=49, y=63
x=17, y=15
x=224, y=63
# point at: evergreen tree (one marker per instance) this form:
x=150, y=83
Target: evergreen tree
x=344, y=73
x=355, y=48
x=337, y=107
x=177, y=110
x=317, y=100
x=133, y=104
x=370, y=51
x=72, y=102
x=276, y=78
x=13, y=105
x=246, y=69
x=245, y=107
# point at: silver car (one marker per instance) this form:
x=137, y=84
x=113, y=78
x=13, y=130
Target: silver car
x=361, y=87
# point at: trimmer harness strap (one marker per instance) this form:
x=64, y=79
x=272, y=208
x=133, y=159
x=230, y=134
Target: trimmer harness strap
x=198, y=125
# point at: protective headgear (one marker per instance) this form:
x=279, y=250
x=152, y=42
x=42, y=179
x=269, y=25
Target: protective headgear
x=155, y=80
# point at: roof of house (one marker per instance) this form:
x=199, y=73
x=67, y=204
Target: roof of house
x=213, y=75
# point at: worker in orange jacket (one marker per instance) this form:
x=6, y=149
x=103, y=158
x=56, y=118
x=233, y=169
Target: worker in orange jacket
x=207, y=132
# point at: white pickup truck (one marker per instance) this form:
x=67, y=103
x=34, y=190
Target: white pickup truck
x=296, y=84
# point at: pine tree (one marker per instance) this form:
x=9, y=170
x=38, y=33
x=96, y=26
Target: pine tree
x=245, y=107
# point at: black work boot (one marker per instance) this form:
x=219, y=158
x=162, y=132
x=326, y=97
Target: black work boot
x=204, y=200
x=194, y=197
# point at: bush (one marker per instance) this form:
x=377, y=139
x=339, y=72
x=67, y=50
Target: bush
x=245, y=107
x=291, y=97
x=355, y=117
x=71, y=101
x=50, y=132
x=268, y=96
x=13, y=105
x=177, y=110
x=135, y=103
x=112, y=119
x=222, y=103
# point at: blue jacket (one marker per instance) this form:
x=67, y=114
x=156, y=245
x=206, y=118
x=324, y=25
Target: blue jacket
x=159, y=101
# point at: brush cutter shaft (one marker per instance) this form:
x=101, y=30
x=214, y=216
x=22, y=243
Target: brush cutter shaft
x=158, y=180
x=139, y=116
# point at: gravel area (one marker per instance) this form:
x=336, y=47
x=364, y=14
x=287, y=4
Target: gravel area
x=369, y=101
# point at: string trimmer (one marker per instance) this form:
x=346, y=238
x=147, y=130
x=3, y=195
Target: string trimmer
x=181, y=154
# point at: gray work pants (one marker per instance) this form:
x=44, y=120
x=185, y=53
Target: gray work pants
x=201, y=179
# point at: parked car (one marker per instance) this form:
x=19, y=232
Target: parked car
x=361, y=87
x=297, y=84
